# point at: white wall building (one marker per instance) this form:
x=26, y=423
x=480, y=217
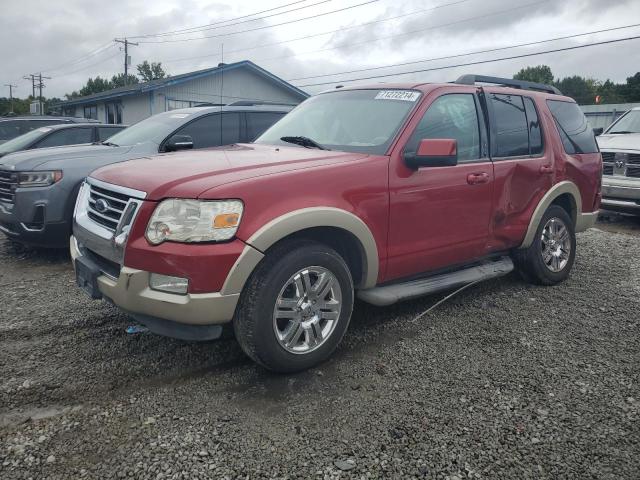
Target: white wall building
x=224, y=84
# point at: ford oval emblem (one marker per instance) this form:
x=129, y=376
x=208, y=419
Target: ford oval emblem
x=101, y=205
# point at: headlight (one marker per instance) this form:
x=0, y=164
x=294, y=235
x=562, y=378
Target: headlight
x=38, y=179
x=189, y=221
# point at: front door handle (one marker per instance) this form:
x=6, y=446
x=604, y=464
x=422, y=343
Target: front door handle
x=477, y=178
x=546, y=169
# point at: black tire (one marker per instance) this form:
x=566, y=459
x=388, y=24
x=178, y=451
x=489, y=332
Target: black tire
x=254, y=320
x=530, y=262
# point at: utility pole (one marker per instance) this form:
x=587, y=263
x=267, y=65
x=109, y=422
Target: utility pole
x=41, y=86
x=11, y=87
x=32, y=77
x=127, y=58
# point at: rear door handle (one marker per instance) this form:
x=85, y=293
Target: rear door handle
x=477, y=178
x=546, y=169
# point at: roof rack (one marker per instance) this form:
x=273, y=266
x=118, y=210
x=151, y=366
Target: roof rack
x=250, y=103
x=507, y=82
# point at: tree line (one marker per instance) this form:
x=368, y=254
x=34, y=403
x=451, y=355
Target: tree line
x=585, y=90
x=147, y=71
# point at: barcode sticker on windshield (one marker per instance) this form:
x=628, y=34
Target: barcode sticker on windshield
x=405, y=95
x=180, y=115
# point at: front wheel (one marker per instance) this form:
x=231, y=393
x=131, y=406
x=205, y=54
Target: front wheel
x=550, y=257
x=296, y=307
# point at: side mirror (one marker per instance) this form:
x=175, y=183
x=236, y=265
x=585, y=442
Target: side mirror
x=598, y=131
x=179, y=142
x=433, y=152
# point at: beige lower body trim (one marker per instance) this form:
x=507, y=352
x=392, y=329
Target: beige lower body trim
x=586, y=221
x=131, y=292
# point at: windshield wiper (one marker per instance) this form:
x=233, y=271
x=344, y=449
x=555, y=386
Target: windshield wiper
x=110, y=144
x=304, y=142
x=623, y=131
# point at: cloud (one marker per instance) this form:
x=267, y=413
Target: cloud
x=39, y=34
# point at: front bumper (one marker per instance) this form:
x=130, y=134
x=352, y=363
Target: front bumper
x=131, y=292
x=31, y=228
x=621, y=193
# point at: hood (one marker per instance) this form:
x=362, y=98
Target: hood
x=624, y=141
x=189, y=174
x=43, y=158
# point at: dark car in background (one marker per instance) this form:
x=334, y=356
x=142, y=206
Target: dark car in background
x=12, y=127
x=60, y=135
x=38, y=188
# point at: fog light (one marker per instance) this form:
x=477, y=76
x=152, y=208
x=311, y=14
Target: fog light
x=167, y=283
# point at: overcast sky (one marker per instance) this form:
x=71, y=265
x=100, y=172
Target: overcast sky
x=71, y=40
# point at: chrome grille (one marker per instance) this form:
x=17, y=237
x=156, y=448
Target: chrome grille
x=110, y=209
x=633, y=159
x=633, y=171
x=8, y=184
x=630, y=167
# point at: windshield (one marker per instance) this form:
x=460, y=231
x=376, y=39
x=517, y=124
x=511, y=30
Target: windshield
x=23, y=141
x=153, y=129
x=628, y=123
x=363, y=121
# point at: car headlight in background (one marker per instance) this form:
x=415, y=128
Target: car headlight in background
x=38, y=179
x=191, y=221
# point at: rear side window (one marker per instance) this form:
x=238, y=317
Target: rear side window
x=258, y=122
x=511, y=129
x=575, y=131
x=9, y=130
x=68, y=136
x=207, y=131
x=535, y=134
x=107, y=132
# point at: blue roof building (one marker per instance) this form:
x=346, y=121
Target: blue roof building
x=227, y=83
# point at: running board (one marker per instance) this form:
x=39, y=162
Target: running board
x=390, y=294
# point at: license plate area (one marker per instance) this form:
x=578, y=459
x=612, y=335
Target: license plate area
x=87, y=274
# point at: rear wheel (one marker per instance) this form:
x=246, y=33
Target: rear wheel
x=550, y=257
x=296, y=307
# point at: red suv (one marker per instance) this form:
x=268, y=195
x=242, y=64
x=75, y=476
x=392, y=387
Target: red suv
x=385, y=192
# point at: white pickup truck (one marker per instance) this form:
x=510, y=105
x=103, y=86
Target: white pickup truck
x=620, y=147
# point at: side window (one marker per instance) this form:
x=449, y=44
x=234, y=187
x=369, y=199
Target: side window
x=207, y=131
x=107, y=132
x=575, y=131
x=535, y=134
x=258, y=122
x=91, y=112
x=68, y=136
x=511, y=130
x=451, y=116
x=9, y=130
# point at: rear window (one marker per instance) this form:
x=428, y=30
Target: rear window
x=576, y=133
x=107, y=132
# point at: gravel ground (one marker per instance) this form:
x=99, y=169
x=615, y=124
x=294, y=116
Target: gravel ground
x=505, y=380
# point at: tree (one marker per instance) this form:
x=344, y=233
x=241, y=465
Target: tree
x=118, y=81
x=539, y=74
x=95, y=85
x=582, y=90
x=151, y=71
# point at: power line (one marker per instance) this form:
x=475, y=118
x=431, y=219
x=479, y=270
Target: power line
x=415, y=12
x=476, y=52
x=210, y=26
x=478, y=62
x=82, y=58
x=263, y=27
x=410, y=32
x=88, y=66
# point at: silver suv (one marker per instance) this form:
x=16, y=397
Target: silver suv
x=620, y=146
